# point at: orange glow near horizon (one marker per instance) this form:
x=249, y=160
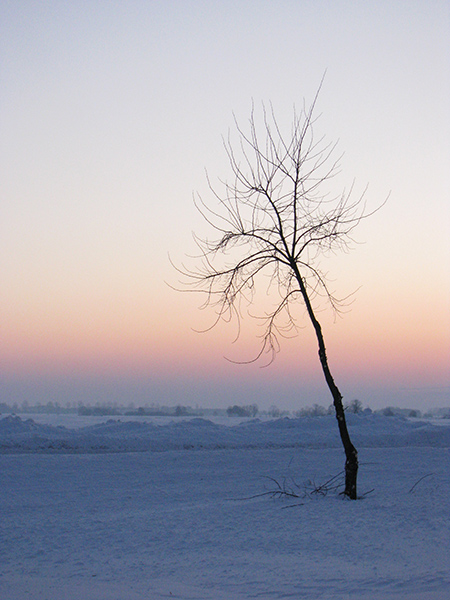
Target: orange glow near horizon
x=135, y=346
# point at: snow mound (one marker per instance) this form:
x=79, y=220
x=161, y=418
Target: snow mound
x=17, y=435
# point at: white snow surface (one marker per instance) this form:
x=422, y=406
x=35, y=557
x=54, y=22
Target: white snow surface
x=147, y=509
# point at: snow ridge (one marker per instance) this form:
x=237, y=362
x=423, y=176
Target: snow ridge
x=370, y=431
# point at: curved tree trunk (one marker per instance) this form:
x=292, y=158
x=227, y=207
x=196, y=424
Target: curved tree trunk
x=351, y=454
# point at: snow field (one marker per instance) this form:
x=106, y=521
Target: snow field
x=191, y=524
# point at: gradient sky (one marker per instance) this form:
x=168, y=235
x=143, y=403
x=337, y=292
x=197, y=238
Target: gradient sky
x=110, y=113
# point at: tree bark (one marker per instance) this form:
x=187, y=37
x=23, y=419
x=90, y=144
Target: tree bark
x=351, y=454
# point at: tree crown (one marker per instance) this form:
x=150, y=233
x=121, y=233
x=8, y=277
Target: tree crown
x=274, y=218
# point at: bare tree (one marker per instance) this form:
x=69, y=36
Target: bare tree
x=276, y=218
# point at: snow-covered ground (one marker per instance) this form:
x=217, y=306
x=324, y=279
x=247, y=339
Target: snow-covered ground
x=134, y=510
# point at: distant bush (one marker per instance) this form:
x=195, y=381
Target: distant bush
x=242, y=411
x=313, y=411
x=354, y=407
x=274, y=412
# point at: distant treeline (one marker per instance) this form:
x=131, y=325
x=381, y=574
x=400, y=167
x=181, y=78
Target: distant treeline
x=161, y=411
x=235, y=410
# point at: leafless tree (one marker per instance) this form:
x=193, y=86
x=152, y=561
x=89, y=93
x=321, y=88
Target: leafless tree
x=276, y=217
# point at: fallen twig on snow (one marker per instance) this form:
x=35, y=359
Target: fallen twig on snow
x=418, y=481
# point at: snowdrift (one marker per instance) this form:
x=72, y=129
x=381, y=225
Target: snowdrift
x=370, y=431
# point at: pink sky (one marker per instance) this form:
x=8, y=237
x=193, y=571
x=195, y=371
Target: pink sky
x=111, y=113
